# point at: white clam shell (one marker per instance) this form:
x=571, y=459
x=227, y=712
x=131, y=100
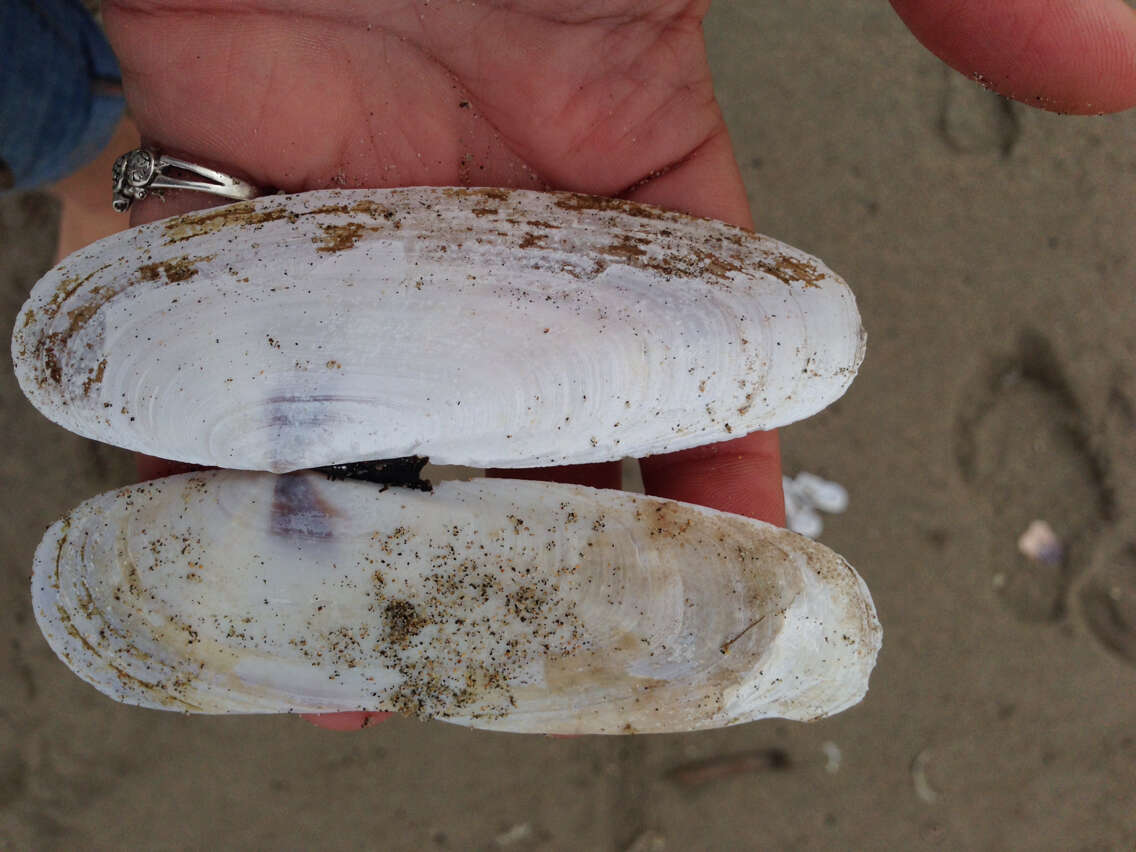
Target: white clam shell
x=510, y=605
x=481, y=327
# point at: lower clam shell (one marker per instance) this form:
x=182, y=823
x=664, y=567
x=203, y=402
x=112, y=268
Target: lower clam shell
x=480, y=327
x=509, y=605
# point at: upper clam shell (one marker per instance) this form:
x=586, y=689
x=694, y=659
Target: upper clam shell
x=517, y=606
x=481, y=327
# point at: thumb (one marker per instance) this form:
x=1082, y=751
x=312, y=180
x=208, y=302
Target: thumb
x=1075, y=56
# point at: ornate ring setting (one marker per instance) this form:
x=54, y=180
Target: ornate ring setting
x=139, y=172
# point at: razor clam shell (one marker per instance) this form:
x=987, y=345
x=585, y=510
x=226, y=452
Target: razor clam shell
x=509, y=605
x=481, y=327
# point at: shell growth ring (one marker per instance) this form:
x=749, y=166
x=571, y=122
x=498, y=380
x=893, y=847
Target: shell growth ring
x=138, y=172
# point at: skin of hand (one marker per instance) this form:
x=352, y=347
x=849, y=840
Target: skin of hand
x=611, y=97
x=1074, y=56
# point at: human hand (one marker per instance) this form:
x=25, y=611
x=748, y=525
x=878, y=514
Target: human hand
x=612, y=98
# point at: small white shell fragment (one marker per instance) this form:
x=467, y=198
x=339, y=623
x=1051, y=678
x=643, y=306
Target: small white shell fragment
x=801, y=517
x=519, y=833
x=806, y=496
x=826, y=495
x=1040, y=543
x=509, y=605
x=480, y=327
x=832, y=756
x=922, y=784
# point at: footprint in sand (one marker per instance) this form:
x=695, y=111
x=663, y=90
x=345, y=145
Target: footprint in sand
x=1106, y=599
x=1022, y=447
x=973, y=120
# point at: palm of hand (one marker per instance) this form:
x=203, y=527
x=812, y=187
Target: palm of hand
x=595, y=98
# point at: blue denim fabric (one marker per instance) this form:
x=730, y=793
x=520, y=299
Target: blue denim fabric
x=53, y=57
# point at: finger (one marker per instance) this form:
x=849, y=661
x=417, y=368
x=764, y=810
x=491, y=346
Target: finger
x=741, y=476
x=601, y=475
x=1063, y=55
x=352, y=721
x=152, y=467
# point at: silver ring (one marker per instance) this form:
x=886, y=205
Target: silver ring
x=139, y=172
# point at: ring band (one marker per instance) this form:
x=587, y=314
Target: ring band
x=138, y=172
